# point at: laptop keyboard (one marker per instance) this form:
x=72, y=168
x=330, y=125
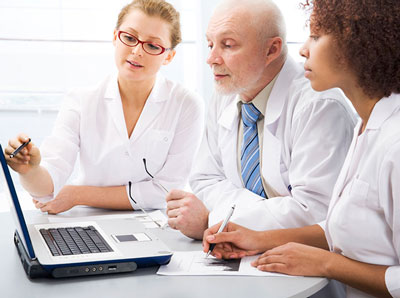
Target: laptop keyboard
x=74, y=241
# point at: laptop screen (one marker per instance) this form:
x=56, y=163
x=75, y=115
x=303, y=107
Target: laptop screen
x=15, y=207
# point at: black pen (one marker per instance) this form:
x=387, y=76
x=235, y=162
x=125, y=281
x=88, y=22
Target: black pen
x=222, y=227
x=16, y=151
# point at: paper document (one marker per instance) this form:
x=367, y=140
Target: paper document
x=157, y=216
x=195, y=263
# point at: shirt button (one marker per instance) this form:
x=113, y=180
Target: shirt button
x=126, y=153
x=165, y=139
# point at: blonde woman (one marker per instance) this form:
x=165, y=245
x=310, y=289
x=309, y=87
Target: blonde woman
x=129, y=117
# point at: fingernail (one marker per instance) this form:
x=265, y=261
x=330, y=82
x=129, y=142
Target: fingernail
x=211, y=238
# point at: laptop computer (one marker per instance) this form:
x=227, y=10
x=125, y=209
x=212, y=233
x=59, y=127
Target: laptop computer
x=81, y=248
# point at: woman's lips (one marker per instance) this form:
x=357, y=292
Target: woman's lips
x=307, y=72
x=134, y=64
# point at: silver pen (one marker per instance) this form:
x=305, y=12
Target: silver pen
x=222, y=227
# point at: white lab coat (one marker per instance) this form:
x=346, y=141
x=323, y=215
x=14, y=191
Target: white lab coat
x=363, y=221
x=91, y=122
x=306, y=138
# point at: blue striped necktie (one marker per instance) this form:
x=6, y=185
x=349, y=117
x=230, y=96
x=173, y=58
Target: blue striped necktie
x=250, y=158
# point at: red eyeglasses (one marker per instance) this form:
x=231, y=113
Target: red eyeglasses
x=149, y=47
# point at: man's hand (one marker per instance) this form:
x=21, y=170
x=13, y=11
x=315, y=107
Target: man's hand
x=235, y=242
x=65, y=200
x=187, y=213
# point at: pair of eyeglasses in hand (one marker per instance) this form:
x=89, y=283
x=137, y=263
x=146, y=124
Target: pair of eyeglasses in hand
x=130, y=194
x=148, y=173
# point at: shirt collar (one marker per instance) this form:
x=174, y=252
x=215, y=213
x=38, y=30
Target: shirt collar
x=159, y=92
x=382, y=110
x=261, y=99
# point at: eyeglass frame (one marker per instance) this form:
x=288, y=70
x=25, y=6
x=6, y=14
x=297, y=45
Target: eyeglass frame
x=133, y=200
x=142, y=43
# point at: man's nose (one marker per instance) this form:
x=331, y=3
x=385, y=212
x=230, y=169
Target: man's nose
x=214, y=57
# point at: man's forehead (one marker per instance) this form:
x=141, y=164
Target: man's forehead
x=228, y=25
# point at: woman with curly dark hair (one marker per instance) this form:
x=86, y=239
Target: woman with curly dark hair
x=353, y=45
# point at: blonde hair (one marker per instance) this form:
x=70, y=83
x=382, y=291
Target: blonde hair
x=158, y=8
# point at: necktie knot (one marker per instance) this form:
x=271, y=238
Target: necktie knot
x=250, y=114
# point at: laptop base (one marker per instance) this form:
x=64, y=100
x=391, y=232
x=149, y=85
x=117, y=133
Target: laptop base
x=34, y=269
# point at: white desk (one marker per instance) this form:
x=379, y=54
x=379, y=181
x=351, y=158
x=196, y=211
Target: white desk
x=143, y=282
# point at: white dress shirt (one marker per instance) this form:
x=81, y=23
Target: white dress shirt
x=91, y=122
x=363, y=221
x=305, y=140
x=260, y=102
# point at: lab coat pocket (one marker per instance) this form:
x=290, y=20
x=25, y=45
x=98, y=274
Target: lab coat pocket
x=369, y=196
x=359, y=192
x=356, y=207
x=283, y=168
x=157, y=147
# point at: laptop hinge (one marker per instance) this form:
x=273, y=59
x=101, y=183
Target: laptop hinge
x=31, y=266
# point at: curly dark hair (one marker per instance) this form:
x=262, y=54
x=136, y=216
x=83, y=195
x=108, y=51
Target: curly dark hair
x=367, y=33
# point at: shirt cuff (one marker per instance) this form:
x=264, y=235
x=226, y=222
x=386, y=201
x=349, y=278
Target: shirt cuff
x=43, y=199
x=322, y=224
x=53, y=172
x=392, y=281
x=131, y=196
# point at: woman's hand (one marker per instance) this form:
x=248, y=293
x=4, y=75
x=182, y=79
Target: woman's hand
x=65, y=200
x=294, y=259
x=236, y=242
x=27, y=159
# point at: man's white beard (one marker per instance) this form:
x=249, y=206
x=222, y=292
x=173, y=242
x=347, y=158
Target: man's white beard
x=231, y=90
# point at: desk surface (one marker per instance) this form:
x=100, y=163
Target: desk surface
x=143, y=282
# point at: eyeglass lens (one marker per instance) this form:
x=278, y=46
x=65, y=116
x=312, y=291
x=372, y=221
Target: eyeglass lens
x=132, y=41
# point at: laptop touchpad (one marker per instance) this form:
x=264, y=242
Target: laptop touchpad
x=131, y=237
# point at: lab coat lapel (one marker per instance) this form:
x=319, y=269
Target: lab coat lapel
x=271, y=169
x=340, y=182
x=114, y=105
x=152, y=108
x=382, y=111
x=338, y=188
x=147, y=117
x=228, y=125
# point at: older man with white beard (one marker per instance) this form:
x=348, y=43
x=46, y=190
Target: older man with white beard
x=272, y=146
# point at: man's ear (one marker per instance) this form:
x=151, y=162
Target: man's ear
x=274, y=49
x=170, y=56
